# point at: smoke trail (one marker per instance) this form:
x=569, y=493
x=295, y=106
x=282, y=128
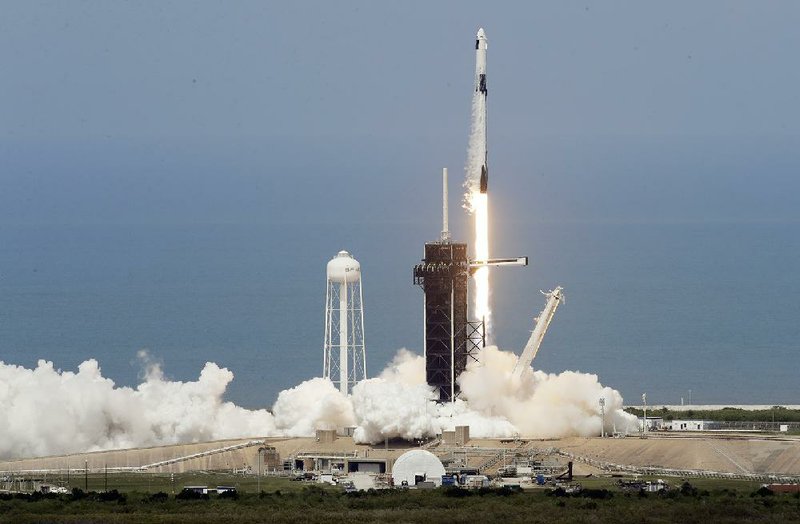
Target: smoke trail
x=476, y=150
x=48, y=411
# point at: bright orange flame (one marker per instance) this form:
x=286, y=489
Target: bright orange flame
x=479, y=203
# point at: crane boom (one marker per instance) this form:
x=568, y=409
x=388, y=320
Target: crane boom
x=554, y=297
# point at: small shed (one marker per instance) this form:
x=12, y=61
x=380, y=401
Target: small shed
x=366, y=465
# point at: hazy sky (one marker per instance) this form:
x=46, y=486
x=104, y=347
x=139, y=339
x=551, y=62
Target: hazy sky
x=165, y=112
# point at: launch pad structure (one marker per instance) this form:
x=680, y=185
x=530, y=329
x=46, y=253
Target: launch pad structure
x=451, y=340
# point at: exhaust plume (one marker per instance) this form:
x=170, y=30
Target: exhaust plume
x=48, y=411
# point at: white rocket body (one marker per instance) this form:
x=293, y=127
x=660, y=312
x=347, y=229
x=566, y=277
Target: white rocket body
x=481, y=45
x=481, y=91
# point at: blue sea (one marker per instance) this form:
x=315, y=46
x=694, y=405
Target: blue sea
x=656, y=308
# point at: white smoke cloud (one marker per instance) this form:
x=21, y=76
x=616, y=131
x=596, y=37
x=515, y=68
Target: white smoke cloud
x=48, y=411
x=539, y=404
x=390, y=409
x=314, y=404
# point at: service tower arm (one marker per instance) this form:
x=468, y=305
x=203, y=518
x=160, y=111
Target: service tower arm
x=516, y=261
x=554, y=298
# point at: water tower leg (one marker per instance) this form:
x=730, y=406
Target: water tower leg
x=343, y=337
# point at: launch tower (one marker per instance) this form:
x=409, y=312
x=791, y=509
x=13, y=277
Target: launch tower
x=450, y=339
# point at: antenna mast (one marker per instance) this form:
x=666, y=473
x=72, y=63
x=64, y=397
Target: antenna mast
x=445, y=212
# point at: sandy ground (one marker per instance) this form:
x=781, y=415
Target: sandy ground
x=734, y=454
x=728, y=454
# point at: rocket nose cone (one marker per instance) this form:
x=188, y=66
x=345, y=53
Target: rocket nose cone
x=481, y=33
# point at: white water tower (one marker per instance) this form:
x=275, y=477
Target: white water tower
x=344, y=361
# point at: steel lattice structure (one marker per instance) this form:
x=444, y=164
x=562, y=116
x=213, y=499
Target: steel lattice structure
x=450, y=339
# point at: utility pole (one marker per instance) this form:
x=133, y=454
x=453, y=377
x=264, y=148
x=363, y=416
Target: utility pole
x=260, y=450
x=105, y=482
x=644, y=409
x=86, y=475
x=603, y=417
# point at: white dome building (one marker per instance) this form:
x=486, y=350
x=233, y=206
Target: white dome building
x=417, y=466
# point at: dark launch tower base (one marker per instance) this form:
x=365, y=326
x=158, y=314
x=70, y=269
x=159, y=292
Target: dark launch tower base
x=450, y=340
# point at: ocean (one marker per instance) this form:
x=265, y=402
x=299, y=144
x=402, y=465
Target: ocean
x=702, y=310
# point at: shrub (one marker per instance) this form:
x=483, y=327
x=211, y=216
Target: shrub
x=158, y=497
x=231, y=494
x=601, y=494
x=688, y=490
x=763, y=491
x=77, y=494
x=558, y=492
x=188, y=494
x=110, y=496
x=456, y=493
x=314, y=490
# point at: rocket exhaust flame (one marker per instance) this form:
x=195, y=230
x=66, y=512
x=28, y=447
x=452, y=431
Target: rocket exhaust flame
x=480, y=207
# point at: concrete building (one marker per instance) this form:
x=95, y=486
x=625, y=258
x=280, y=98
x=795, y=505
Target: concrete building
x=653, y=423
x=691, y=425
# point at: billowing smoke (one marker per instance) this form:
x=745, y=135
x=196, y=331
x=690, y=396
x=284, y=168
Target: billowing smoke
x=539, y=404
x=48, y=411
x=314, y=404
x=493, y=403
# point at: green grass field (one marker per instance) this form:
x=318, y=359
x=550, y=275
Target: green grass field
x=155, y=482
x=708, y=501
